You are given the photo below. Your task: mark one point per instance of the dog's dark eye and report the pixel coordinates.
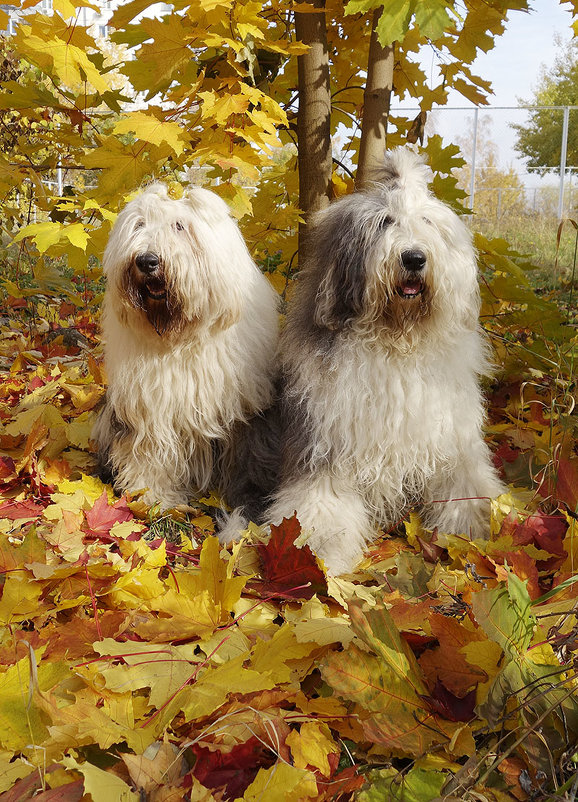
(179, 226)
(428, 221)
(140, 224)
(386, 221)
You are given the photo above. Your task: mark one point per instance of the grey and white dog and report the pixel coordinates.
(381, 356)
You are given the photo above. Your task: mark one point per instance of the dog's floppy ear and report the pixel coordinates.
(338, 253)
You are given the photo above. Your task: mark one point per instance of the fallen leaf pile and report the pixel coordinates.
(141, 660)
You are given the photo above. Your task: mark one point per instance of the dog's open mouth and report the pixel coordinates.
(410, 288)
(156, 289)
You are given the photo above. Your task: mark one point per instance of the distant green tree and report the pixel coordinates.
(540, 139)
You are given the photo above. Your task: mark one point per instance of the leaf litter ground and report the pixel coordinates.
(139, 659)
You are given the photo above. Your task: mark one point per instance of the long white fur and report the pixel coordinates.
(394, 415)
(178, 392)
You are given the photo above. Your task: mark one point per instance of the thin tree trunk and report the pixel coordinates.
(376, 100)
(314, 116)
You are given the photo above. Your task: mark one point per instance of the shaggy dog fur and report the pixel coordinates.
(381, 356)
(190, 330)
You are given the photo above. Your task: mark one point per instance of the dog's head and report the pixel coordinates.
(393, 258)
(176, 263)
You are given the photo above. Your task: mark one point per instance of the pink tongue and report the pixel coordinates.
(411, 289)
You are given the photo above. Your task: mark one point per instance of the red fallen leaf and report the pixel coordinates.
(287, 568)
(35, 384)
(449, 706)
(546, 532)
(505, 454)
(525, 568)
(24, 790)
(7, 470)
(513, 770)
(567, 483)
(102, 517)
(15, 510)
(235, 770)
(71, 792)
(75, 639)
(432, 553)
(66, 309)
(340, 785)
(418, 643)
(16, 303)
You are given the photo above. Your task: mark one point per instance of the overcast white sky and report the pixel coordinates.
(513, 67)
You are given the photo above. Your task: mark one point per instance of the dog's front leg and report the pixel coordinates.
(335, 521)
(457, 500)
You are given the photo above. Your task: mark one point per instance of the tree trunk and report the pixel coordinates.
(314, 116)
(376, 100)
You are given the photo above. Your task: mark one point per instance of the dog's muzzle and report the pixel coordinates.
(153, 282)
(412, 284)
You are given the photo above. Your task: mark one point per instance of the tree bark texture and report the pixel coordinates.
(376, 101)
(314, 115)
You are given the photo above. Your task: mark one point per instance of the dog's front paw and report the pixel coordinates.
(231, 526)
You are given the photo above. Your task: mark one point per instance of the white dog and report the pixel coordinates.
(381, 356)
(190, 330)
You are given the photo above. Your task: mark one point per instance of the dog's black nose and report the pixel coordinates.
(147, 262)
(413, 260)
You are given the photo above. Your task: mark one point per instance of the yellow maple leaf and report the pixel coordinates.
(282, 783)
(20, 721)
(123, 166)
(216, 578)
(156, 64)
(86, 491)
(283, 655)
(213, 687)
(12, 770)
(19, 599)
(101, 785)
(148, 127)
(312, 745)
(77, 235)
(219, 107)
(44, 234)
(162, 668)
(60, 57)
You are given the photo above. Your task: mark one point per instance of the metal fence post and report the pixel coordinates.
(563, 152)
(474, 145)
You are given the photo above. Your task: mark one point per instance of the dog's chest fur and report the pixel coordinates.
(363, 401)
